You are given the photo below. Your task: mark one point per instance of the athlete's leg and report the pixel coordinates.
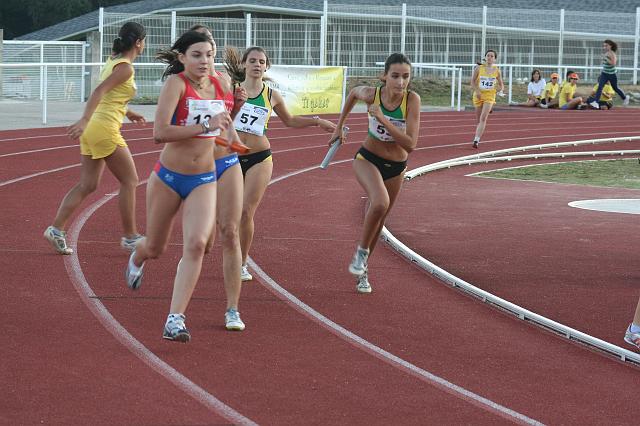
(121, 164)
(255, 184)
(229, 211)
(162, 205)
(198, 219)
(370, 179)
(90, 175)
(393, 186)
(483, 115)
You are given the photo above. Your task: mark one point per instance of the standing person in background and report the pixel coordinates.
(101, 142)
(483, 82)
(192, 110)
(606, 98)
(567, 99)
(608, 74)
(379, 165)
(549, 98)
(252, 123)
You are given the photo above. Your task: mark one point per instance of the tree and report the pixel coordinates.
(18, 17)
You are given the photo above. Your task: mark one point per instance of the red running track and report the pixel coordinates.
(83, 349)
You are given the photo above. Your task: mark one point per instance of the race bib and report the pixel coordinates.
(487, 83)
(251, 119)
(380, 132)
(204, 109)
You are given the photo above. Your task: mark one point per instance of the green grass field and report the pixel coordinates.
(623, 173)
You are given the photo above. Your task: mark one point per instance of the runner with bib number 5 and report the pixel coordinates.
(394, 122)
(252, 122)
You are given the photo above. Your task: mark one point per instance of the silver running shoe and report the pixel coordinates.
(245, 275)
(130, 243)
(175, 330)
(632, 338)
(363, 284)
(232, 320)
(594, 105)
(358, 264)
(626, 100)
(133, 274)
(58, 240)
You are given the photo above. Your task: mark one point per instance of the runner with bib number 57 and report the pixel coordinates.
(394, 122)
(252, 122)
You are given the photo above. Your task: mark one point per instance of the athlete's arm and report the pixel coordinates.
(408, 140)
(474, 81)
(500, 82)
(297, 121)
(360, 93)
(164, 131)
(121, 73)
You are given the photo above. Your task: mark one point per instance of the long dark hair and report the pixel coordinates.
(128, 35)
(170, 57)
(533, 73)
(396, 58)
(613, 44)
(233, 62)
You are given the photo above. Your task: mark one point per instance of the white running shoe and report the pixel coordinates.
(58, 240)
(130, 243)
(175, 330)
(245, 275)
(632, 338)
(544, 106)
(626, 100)
(232, 320)
(358, 264)
(594, 105)
(133, 274)
(363, 284)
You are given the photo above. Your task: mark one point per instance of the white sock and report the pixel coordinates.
(635, 328)
(476, 139)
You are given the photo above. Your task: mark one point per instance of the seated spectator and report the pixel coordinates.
(549, 98)
(534, 90)
(606, 97)
(568, 100)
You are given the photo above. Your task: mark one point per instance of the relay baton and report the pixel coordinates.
(235, 146)
(333, 149)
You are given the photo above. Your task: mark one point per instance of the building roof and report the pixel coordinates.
(77, 26)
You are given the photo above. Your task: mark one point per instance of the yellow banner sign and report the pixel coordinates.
(309, 90)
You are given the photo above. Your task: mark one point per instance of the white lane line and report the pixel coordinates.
(380, 353)
(74, 271)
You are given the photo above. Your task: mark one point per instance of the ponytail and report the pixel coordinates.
(128, 35)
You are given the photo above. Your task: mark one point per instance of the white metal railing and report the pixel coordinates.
(487, 297)
(359, 35)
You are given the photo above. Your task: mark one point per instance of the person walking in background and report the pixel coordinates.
(549, 97)
(567, 98)
(252, 123)
(483, 82)
(606, 98)
(608, 74)
(192, 110)
(101, 142)
(379, 165)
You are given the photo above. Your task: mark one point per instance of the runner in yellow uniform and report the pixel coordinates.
(101, 142)
(483, 82)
